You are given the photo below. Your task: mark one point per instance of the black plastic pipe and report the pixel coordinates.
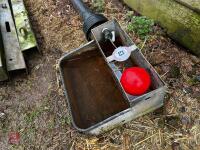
(90, 19)
(81, 8)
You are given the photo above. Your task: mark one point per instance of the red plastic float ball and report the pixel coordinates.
(136, 81)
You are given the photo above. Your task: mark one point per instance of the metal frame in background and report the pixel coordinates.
(13, 54)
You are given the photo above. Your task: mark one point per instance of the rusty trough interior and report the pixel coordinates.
(92, 91)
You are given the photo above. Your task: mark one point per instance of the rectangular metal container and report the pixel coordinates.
(96, 99)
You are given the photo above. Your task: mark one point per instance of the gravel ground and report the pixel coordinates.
(35, 106)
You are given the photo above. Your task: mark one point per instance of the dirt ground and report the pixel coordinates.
(35, 106)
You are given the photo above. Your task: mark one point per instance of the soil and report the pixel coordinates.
(34, 105)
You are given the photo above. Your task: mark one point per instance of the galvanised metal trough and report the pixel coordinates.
(96, 99)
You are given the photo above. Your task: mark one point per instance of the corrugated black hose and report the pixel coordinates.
(90, 19)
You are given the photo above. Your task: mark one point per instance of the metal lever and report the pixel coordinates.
(122, 53)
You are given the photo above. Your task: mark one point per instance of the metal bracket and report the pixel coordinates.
(3, 71)
(26, 36)
(13, 53)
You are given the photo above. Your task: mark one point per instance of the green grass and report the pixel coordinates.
(66, 120)
(140, 25)
(30, 117)
(193, 81)
(98, 5)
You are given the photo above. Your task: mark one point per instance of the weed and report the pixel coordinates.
(175, 72)
(193, 81)
(66, 120)
(28, 134)
(141, 25)
(98, 5)
(4, 127)
(31, 116)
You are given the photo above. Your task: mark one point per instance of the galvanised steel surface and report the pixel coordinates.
(13, 53)
(96, 99)
(3, 71)
(26, 36)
